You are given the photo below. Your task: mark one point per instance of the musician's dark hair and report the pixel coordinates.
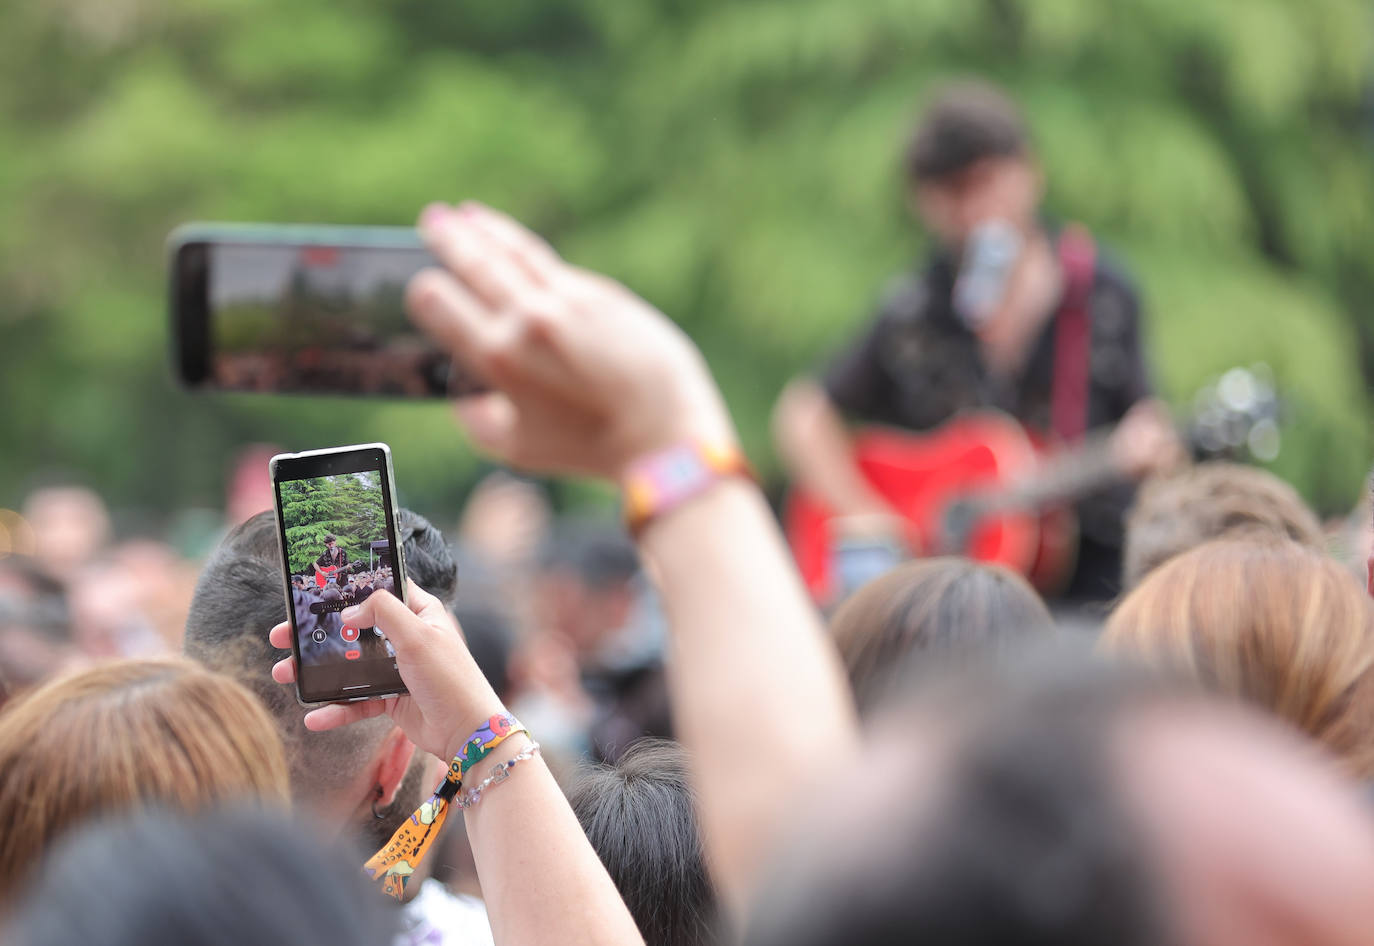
(964, 123)
(239, 596)
(936, 609)
(159, 878)
(640, 819)
(328, 537)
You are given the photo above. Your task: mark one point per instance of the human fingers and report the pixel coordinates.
(280, 636)
(490, 420)
(402, 626)
(284, 670)
(341, 714)
(529, 251)
(482, 262)
(449, 313)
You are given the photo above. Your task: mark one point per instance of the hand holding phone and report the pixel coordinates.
(447, 696)
(336, 525)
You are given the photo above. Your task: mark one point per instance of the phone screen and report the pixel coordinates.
(294, 310)
(338, 536)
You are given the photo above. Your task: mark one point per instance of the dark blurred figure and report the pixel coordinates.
(1211, 501)
(35, 625)
(1056, 803)
(220, 879)
(1009, 312)
(640, 818)
(360, 781)
(939, 610)
(591, 670)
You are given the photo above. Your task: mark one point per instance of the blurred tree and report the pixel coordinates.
(733, 161)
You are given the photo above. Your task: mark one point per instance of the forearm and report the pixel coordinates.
(541, 879)
(758, 694)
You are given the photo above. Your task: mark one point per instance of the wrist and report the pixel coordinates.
(475, 726)
(657, 483)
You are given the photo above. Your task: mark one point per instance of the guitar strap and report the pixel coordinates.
(1073, 336)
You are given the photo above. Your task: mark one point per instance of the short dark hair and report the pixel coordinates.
(1025, 838)
(640, 819)
(239, 597)
(329, 538)
(158, 878)
(965, 123)
(599, 554)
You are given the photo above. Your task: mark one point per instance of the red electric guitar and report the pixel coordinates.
(982, 486)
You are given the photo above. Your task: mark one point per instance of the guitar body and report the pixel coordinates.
(327, 572)
(926, 478)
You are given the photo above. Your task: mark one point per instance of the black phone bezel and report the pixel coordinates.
(331, 463)
(189, 299)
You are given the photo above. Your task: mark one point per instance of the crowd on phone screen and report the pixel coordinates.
(1198, 772)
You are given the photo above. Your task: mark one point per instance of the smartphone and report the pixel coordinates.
(302, 309)
(336, 522)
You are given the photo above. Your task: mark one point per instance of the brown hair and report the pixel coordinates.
(123, 735)
(965, 123)
(944, 607)
(1210, 501)
(1267, 621)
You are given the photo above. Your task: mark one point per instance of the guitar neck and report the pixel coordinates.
(1064, 477)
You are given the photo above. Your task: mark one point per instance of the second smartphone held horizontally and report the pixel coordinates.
(336, 522)
(303, 309)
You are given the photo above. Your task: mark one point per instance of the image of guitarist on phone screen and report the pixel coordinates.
(330, 562)
(1009, 314)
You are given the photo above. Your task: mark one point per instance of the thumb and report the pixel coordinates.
(383, 609)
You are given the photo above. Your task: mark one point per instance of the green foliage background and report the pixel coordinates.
(735, 162)
(348, 506)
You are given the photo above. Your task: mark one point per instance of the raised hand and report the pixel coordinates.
(587, 377)
(448, 695)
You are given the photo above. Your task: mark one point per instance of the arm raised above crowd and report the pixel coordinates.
(588, 378)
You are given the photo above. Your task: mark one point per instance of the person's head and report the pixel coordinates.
(969, 161)
(221, 878)
(1266, 621)
(939, 609)
(70, 526)
(1066, 803)
(329, 541)
(35, 625)
(584, 583)
(640, 819)
(345, 773)
(122, 735)
(1212, 500)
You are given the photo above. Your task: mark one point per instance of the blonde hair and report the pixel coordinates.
(1267, 621)
(122, 735)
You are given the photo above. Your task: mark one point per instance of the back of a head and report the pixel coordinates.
(1060, 802)
(1211, 501)
(239, 598)
(640, 819)
(128, 735)
(222, 878)
(983, 811)
(940, 609)
(964, 123)
(1266, 621)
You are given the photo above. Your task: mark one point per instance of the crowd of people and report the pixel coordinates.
(653, 734)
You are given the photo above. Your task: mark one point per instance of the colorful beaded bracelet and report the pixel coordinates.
(499, 773)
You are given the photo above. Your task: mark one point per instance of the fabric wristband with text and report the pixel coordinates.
(397, 861)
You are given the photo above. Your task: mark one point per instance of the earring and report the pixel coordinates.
(377, 796)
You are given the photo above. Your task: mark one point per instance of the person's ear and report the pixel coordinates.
(389, 767)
